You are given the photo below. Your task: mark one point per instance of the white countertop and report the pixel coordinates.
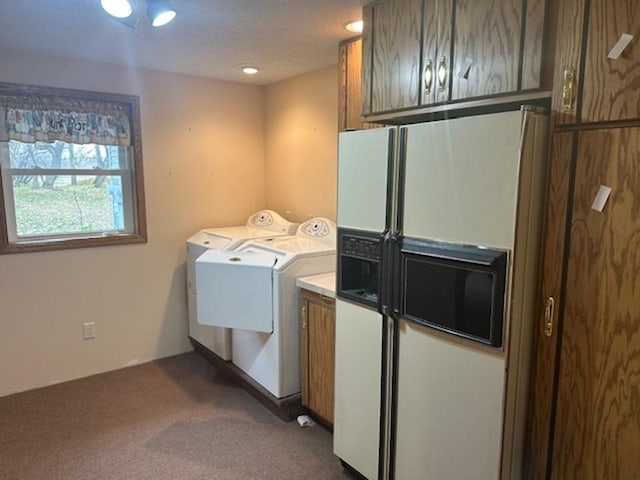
(324, 284)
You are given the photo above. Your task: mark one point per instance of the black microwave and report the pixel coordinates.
(458, 289)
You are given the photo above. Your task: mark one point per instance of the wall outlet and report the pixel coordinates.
(89, 330)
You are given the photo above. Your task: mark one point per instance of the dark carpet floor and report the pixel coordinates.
(170, 419)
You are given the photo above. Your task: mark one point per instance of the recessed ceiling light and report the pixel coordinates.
(250, 70)
(117, 8)
(354, 26)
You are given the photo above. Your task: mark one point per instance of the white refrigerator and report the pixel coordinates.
(438, 243)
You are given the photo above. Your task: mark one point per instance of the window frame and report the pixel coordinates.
(137, 198)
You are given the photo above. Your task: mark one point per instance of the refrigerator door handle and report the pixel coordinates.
(394, 277)
(383, 300)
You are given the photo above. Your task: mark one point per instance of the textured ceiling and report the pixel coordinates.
(209, 38)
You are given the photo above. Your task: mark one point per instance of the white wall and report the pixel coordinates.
(301, 149)
(203, 153)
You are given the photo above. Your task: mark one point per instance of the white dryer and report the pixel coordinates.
(253, 290)
(263, 224)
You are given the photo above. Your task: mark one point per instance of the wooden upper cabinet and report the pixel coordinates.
(408, 46)
(394, 63)
(487, 47)
(349, 56)
(534, 66)
(436, 48)
(567, 71)
(610, 87)
(349, 89)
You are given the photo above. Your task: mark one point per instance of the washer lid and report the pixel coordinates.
(235, 289)
(287, 246)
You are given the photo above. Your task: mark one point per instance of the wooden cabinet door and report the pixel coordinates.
(304, 349)
(349, 87)
(392, 39)
(436, 48)
(546, 328)
(533, 73)
(349, 65)
(567, 72)
(612, 86)
(487, 37)
(597, 421)
(318, 354)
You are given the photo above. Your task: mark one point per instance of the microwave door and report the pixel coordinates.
(453, 288)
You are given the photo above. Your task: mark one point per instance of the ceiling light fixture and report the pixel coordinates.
(117, 8)
(250, 70)
(354, 26)
(159, 12)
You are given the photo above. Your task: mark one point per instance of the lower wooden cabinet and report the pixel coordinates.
(318, 330)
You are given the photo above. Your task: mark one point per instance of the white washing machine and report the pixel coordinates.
(253, 290)
(263, 224)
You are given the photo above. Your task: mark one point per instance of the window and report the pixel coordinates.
(70, 168)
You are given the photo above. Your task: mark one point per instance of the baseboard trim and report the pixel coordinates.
(287, 408)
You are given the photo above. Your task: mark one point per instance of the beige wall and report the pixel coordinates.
(203, 149)
(301, 125)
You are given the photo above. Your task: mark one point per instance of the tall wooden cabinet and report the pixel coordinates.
(588, 417)
(418, 53)
(597, 421)
(585, 400)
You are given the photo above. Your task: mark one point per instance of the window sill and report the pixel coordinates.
(69, 243)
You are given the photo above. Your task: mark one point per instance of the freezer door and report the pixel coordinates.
(364, 158)
(235, 289)
(461, 179)
(358, 372)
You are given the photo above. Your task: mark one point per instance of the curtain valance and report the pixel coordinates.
(40, 119)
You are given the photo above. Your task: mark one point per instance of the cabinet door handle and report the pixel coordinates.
(442, 73)
(548, 316)
(567, 89)
(428, 76)
(303, 314)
